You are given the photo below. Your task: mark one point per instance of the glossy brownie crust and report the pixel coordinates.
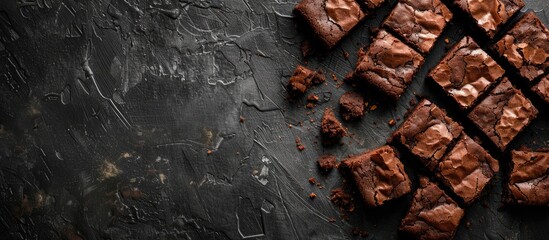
(419, 22)
(503, 114)
(427, 133)
(432, 215)
(490, 15)
(529, 179)
(542, 88)
(330, 20)
(467, 169)
(526, 46)
(388, 65)
(379, 175)
(466, 72)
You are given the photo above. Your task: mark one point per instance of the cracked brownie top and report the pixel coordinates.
(529, 182)
(388, 65)
(503, 114)
(490, 15)
(466, 72)
(419, 22)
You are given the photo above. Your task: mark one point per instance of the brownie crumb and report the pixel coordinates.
(319, 77)
(373, 107)
(342, 200)
(392, 122)
(312, 195)
(327, 162)
(346, 55)
(298, 144)
(331, 126)
(209, 152)
(242, 119)
(351, 105)
(312, 180)
(359, 232)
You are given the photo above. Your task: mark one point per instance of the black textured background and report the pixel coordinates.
(108, 109)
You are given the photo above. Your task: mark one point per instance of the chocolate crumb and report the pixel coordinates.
(327, 162)
(392, 122)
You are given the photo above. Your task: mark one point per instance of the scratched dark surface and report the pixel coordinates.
(108, 109)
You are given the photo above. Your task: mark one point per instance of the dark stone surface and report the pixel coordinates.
(122, 120)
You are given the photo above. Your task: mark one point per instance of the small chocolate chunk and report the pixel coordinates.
(327, 162)
(351, 105)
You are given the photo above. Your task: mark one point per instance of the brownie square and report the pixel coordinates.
(379, 175)
(526, 46)
(542, 88)
(503, 114)
(388, 65)
(330, 20)
(432, 215)
(490, 15)
(466, 72)
(529, 179)
(427, 133)
(419, 23)
(467, 169)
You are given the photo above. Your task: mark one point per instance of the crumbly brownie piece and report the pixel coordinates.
(420, 23)
(503, 114)
(330, 20)
(526, 46)
(351, 105)
(466, 72)
(327, 162)
(331, 126)
(302, 79)
(388, 65)
(490, 15)
(542, 88)
(427, 133)
(432, 215)
(379, 175)
(467, 169)
(529, 179)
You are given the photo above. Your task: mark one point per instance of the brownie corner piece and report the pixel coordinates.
(526, 46)
(466, 72)
(330, 20)
(331, 127)
(379, 175)
(542, 88)
(503, 114)
(388, 65)
(427, 132)
(467, 169)
(419, 23)
(529, 180)
(432, 214)
(490, 15)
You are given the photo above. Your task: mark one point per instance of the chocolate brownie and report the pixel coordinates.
(379, 175)
(529, 179)
(432, 215)
(526, 46)
(302, 79)
(330, 20)
(351, 105)
(490, 15)
(388, 65)
(327, 162)
(466, 72)
(419, 23)
(503, 114)
(427, 133)
(467, 169)
(542, 88)
(331, 127)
